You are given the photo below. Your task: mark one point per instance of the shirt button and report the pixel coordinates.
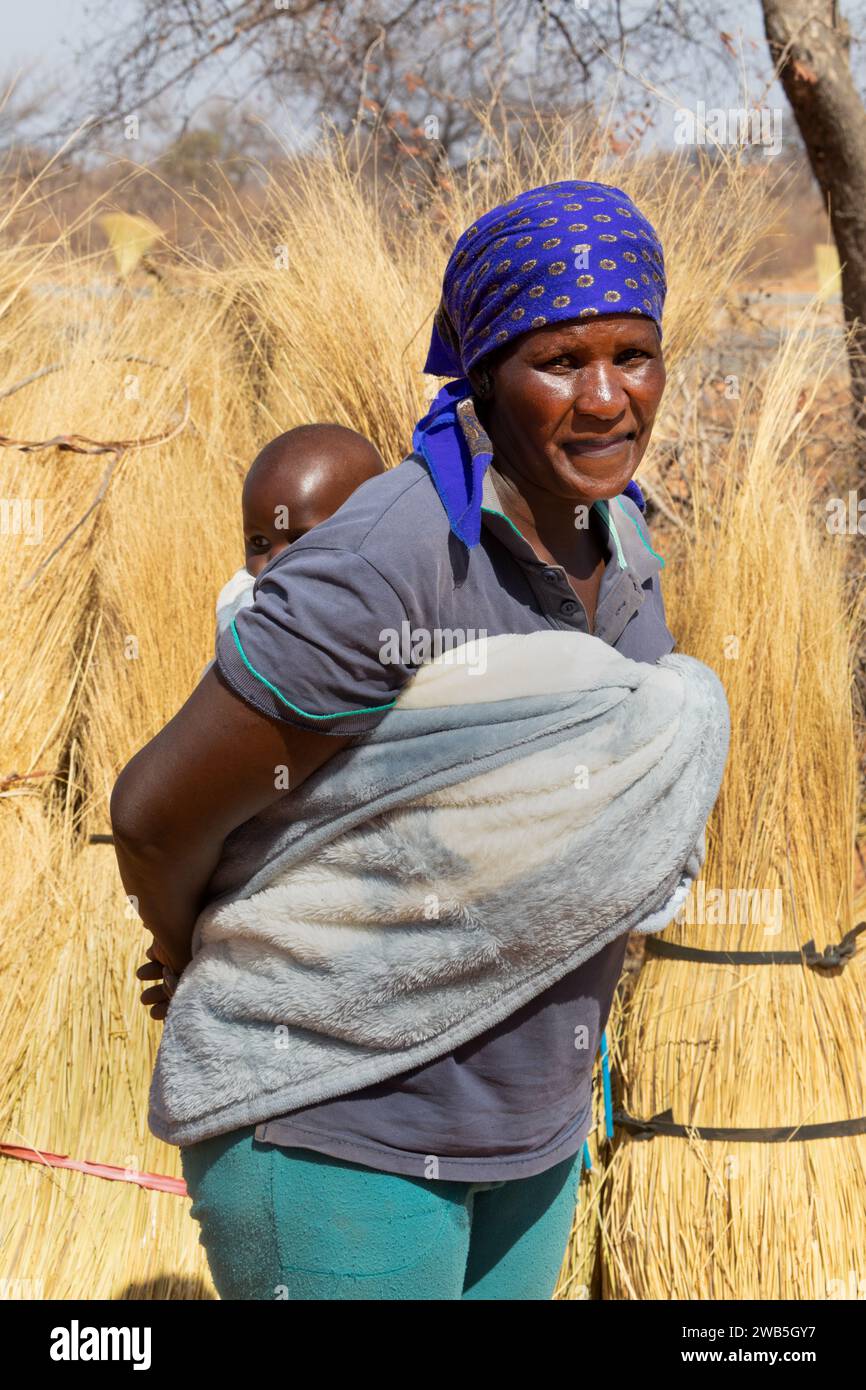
(552, 576)
(568, 606)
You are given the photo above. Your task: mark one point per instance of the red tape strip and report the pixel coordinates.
(157, 1182)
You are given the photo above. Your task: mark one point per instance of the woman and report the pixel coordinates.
(550, 326)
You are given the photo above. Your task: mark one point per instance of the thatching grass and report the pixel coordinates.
(77, 1062)
(104, 646)
(759, 592)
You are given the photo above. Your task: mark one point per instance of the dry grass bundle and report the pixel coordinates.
(759, 593)
(42, 496)
(76, 1084)
(169, 537)
(90, 664)
(26, 848)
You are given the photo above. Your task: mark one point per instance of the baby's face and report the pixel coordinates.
(277, 513)
(263, 539)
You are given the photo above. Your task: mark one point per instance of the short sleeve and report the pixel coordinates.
(320, 647)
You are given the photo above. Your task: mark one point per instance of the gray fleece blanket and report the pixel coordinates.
(528, 799)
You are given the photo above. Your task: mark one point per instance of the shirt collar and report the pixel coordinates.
(627, 546)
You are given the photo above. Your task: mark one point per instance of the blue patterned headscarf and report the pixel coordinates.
(562, 251)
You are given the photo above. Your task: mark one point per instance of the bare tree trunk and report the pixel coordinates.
(809, 44)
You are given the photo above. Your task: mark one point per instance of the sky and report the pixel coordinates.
(42, 27)
(49, 39)
(43, 32)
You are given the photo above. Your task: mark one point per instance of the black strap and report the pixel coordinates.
(837, 955)
(663, 1123)
(100, 840)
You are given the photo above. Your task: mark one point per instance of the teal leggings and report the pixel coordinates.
(280, 1223)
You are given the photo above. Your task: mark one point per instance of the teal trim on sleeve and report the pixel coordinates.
(641, 534)
(370, 709)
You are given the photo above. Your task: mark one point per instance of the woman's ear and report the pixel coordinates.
(481, 381)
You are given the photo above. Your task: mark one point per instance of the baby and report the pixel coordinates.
(298, 480)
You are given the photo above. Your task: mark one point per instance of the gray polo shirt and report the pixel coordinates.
(516, 1099)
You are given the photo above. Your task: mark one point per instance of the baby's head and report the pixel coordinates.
(299, 480)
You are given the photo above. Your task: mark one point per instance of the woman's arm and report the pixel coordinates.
(214, 765)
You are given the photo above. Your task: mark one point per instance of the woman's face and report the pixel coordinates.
(573, 403)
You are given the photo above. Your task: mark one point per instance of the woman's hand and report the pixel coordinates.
(157, 997)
